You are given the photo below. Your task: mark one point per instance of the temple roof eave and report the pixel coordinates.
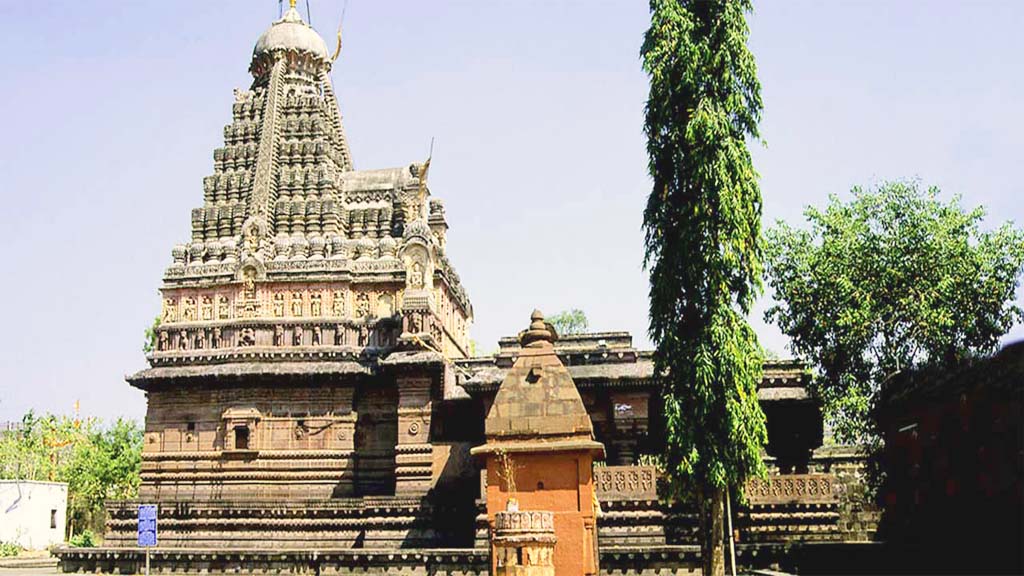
(144, 379)
(782, 381)
(539, 445)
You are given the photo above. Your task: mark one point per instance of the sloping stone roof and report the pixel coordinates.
(537, 398)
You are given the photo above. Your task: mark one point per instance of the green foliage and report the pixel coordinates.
(703, 238)
(39, 449)
(151, 336)
(105, 467)
(9, 549)
(569, 322)
(890, 280)
(97, 462)
(86, 539)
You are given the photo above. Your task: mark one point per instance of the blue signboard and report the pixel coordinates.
(147, 525)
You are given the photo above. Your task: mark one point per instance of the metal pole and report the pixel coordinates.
(147, 561)
(728, 517)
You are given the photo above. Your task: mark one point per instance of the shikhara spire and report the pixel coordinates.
(284, 204)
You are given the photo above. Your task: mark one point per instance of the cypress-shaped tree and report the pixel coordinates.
(703, 250)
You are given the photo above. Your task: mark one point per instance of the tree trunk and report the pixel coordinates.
(715, 539)
(702, 531)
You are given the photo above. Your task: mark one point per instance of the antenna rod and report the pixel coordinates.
(309, 15)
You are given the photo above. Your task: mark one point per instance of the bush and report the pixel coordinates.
(8, 549)
(86, 539)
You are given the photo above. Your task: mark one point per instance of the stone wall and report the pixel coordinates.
(327, 562)
(831, 503)
(647, 561)
(359, 523)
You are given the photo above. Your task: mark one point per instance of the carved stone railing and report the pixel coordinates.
(626, 483)
(523, 543)
(641, 483)
(524, 522)
(792, 489)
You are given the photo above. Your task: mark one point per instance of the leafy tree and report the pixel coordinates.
(97, 463)
(572, 321)
(107, 466)
(703, 249)
(890, 280)
(39, 448)
(149, 344)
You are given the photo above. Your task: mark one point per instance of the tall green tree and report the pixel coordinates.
(890, 280)
(703, 249)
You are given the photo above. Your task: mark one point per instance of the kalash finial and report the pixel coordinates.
(539, 334)
(291, 3)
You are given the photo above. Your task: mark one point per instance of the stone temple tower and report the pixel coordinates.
(307, 324)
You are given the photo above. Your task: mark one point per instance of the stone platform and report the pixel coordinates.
(352, 523)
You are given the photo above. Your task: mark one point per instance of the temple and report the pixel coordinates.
(312, 388)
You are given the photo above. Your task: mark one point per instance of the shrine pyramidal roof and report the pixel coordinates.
(292, 246)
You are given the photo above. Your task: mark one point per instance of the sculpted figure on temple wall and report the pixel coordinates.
(317, 335)
(416, 275)
(189, 309)
(216, 340)
(247, 337)
(338, 303)
(362, 305)
(223, 308)
(385, 306)
(340, 338)
(162, 340)
(278, 335)
(249, 282)
(278, 305)
(297, 336)
(170, 307)
(297, 304)
(207, 308)
(315, 309)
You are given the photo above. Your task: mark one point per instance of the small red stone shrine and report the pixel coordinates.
(539, 452)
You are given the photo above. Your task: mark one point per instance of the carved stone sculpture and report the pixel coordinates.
(338, 303)
(362, 305)
(223, 308)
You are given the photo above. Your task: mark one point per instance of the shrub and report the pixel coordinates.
(8, 549)
(86, 539)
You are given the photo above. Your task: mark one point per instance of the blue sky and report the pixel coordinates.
(113, 109)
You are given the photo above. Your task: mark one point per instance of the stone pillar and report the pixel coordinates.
(344, 438)
(523, 543)
(414, 454)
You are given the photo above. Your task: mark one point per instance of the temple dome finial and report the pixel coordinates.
(291, 33)
(539, 334)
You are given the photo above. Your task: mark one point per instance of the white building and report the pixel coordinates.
(33, 514)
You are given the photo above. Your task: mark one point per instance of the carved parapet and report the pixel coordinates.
(792, 489)
(523, 543)
(626, 483)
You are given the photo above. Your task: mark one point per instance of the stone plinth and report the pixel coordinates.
(523, 543)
